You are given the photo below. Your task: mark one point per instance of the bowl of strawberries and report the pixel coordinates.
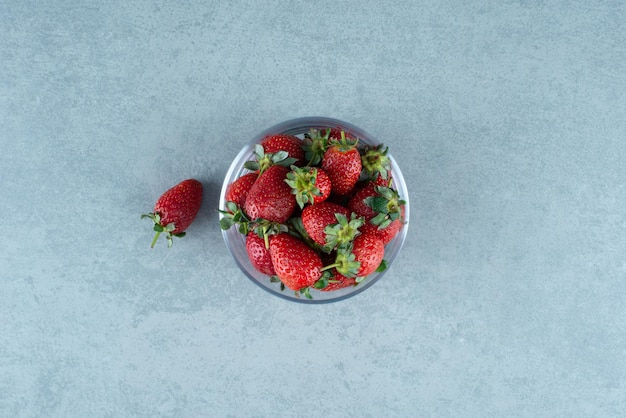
(314, 210)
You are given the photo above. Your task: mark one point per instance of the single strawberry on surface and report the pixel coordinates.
(342, 163)
(175, 210)
(296, 264)
(270, 197)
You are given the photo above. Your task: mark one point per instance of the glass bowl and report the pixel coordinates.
(235, 241)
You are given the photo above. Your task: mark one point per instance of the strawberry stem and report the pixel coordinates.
(330, 266)
(266, 238)
(156, 237)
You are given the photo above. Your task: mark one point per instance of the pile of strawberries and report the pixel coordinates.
(317, 212)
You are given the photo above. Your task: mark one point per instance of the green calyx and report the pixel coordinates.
(344, 143)
(315, 145)
(345, 263)
(387, 204)
(341, 234)
(376, 162)
(321, 283)
(263, 161)
(264, 228)
(160, 229)
(302, 182)
(234, 215)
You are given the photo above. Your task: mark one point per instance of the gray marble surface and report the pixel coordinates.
(508, 119)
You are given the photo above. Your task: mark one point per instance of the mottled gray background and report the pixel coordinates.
(507, 117)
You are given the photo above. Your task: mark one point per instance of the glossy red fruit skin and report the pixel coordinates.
(318, 216)
(180, 205)
(343, 168)
(339, 281)
(296, 264)
(357, 205)
(380, 181)
(281, 142)
(259, 256)
(270, 197)
(369, 250)
(322, 182)
(238, 190)
(386, 234)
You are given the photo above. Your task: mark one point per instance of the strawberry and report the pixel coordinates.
(378, 204)
(368, 250)
(315, 145)
(338, 281)
(375, 162)
(336, 132)
(309, 184)
(386, 234)
(238, 190)
(175, 210)
(297, 265)
(342, 163)
(380, 181)
(357, 201)
(259, 255)
(327, 224)
(270, 197)
(288, 143)
(264, 159)
(361, 258)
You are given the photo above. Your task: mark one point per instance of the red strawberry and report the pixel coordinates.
(336, 133)
(378, 204)
(376, 162)
(175, 210)
(316, 218)
(270, 197)
(338, 281)
(342, 163)
(238, 190)
(380, 181)
(357, 202)
(369, 251)
(259, 256)
(289, 143)
(297, 265)
(309, 184)
(362, 258)
(386, 234)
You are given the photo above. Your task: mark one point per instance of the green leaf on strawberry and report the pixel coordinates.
(375, 162)
(315, 145)
(310, 185)
(387, 204)
(234, 215)
(382, 267)
(263, 161)
(341, 234)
